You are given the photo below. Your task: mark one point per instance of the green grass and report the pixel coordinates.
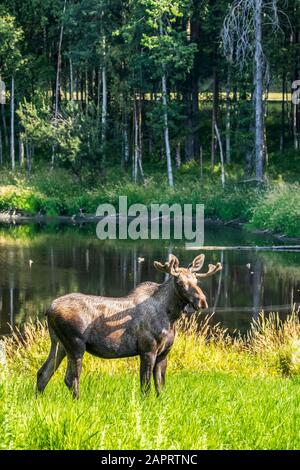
(197, 411)
(279, 210)
(221, 393)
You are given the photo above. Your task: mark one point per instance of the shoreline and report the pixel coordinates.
(90, 219)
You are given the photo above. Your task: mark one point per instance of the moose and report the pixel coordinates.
(139, 324)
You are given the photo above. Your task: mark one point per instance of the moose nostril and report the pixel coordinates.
(204, 303)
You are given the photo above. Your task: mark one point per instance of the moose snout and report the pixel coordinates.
(200, 302)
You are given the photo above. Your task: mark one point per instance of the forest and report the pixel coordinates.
(192, 96)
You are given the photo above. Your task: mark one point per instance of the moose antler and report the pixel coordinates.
(170, 267)
(212, 269)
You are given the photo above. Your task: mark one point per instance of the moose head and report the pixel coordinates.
(186, 279)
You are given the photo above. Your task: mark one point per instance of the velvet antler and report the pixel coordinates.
(212, 269)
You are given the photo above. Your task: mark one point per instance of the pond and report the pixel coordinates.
(68, 259)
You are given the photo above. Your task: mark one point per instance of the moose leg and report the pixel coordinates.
(72, 376)
(159, 373)
(56, 355)
(146, 370)
(68, 375)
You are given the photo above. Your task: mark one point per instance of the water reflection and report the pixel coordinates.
(66, 260)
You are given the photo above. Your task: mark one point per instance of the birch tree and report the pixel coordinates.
(12, 124)
(58, 74)
(104, 100)
(243, 41)
(170, 52)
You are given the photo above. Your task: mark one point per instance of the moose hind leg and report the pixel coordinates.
(56, 355)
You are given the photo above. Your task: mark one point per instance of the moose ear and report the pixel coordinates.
(197, 263)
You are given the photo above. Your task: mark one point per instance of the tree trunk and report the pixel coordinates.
(77, 86)
(265, 116)
(166, 120)
(86, 82)
(189, 141)
(215, 109)
(57, 83)
(137, 154)
(166, 131)
(295, 128)
(295, 75)
(282, 127)
(99, 84)
(12, 125)
(58, 68)
(125, 139)
(104, 107)
(228, 119)
(191, 86)
(201, 163)
(28, 158)
(178, 155)
(221, 155)
(136, 142)
(1, 148)
(21, 152)
(140, 129)
(71, 80)
(4, 124)
(259, 121)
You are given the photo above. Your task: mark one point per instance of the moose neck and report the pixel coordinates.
(172, 302)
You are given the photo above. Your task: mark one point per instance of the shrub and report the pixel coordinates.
(278, 210)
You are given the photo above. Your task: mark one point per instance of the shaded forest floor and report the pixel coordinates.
(221, 393)
(274, 207)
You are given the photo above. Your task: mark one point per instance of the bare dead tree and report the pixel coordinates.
(57, 83)
(242, 36)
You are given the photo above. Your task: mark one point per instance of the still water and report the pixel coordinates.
(39, 263)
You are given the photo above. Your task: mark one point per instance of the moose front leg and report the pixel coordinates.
(72, 377)
(159, 372)
(146, 369)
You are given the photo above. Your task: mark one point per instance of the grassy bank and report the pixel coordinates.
(275, 207)
(221, 394)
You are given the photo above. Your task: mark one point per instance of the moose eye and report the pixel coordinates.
(183, 285)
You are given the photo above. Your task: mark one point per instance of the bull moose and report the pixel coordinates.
(139, 324)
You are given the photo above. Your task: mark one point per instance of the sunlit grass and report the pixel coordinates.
(221, 393)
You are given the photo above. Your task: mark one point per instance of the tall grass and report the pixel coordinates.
(222, 392)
